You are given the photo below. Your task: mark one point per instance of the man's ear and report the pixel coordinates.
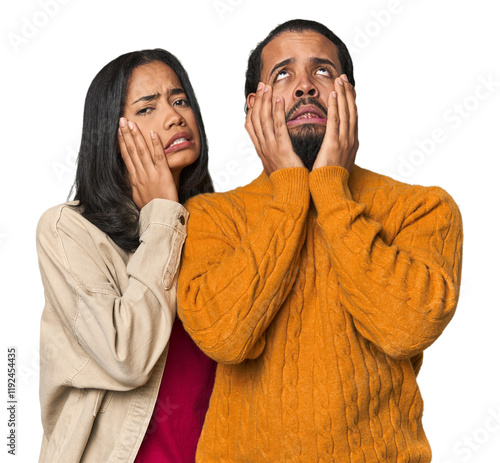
(250, 100)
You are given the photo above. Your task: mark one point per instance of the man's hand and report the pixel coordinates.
(266, 125)
(341, 137)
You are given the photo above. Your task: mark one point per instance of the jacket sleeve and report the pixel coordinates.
(123, 330)
(231, 286)
(401, 296)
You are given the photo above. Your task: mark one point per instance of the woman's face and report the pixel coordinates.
(156, 101)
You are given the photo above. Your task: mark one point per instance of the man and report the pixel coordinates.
(317, 286)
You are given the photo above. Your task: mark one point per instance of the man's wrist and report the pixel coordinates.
(291, 185)
(329, 183)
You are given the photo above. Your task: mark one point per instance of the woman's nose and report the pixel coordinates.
(172, 118)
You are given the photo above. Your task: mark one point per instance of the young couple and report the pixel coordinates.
(316, 287)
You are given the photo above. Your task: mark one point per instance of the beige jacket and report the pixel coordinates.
(104, 331)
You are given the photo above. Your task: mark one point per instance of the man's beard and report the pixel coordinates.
(306, 141)
(306, 138)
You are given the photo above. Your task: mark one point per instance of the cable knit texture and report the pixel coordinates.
(317, 293)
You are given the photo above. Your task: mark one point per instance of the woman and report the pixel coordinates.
(109, 263)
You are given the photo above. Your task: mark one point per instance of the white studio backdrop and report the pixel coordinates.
(428, 85)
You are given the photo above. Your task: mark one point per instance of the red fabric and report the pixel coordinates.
(182, 402)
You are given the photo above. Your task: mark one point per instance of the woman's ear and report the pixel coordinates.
(250, 100)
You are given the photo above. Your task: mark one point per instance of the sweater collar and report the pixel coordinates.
(262, 182)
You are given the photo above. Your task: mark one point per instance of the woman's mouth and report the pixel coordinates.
(179, 141)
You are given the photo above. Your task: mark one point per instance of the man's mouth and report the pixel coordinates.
(307, 114)
(178, 142)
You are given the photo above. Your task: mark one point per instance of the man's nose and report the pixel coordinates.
(305, 87)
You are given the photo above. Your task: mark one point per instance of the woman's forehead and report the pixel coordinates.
(152, 78)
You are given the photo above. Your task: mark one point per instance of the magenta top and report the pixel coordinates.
(182, 403)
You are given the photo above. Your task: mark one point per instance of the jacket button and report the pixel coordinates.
(181, 219)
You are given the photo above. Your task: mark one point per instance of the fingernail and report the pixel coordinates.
(122, 121)
(130, 125)
(334, 94)
(153, 135)
(261, 85)
(119, 132)
(278, 99)
(345, 78)
(341, 82)
(266, 88)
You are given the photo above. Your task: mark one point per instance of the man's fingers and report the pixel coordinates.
(343, 109)
(332, 126)
(255, 116)
(353, 112)
(263, 125)
(266, 119)
(280, 127)
(251, 131)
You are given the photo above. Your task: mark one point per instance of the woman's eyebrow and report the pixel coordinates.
(176, 91)
(172, 91)
(147, 98)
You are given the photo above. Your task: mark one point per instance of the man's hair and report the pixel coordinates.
(102, 188)
(254, 68)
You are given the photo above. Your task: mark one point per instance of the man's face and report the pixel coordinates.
(302, 67)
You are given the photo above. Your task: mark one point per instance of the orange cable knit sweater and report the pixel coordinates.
(317, 293)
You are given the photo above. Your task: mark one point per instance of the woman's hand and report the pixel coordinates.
(149, 173)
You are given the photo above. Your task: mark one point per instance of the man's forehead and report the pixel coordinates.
(298, 45)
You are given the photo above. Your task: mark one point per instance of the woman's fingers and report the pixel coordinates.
(127, 140)
(159, 158)
(135, 151)
(141, 147)
(124, 152)
(149, 171)
(163, 175)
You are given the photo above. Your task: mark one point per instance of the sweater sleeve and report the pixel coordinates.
(401, 296)
(231, 286)
(123, 330)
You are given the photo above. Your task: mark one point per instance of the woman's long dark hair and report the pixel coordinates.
(101, 187)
